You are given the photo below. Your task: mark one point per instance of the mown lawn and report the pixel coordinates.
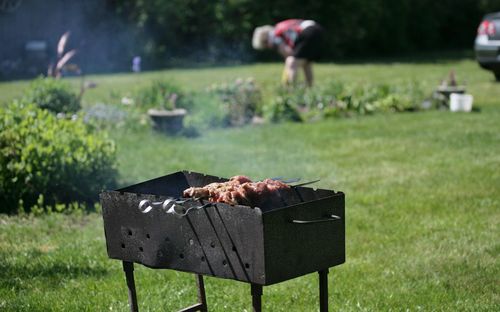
(422, 204)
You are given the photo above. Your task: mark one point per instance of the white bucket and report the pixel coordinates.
(461, 102)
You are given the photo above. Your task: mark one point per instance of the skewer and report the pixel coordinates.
(291, 180)
(305, 183)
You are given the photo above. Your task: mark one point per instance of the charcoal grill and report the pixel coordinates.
(299, 232)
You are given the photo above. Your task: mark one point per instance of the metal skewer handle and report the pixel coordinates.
(328, 218)
(170, 206)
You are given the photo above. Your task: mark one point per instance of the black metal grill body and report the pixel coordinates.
(285, 238)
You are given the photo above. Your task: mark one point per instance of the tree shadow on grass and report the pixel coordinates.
(21, 276)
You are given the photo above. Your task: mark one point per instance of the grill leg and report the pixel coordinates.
(323, 290)
(202, 298)
(256, 297)
(128, 267)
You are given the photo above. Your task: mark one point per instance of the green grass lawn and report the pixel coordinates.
(422, 204)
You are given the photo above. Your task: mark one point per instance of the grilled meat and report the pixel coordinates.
(239, 190)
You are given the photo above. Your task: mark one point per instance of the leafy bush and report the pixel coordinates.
(58, 158)
(104, 114)
(206, 112)
(367, 99)
(401, 98)
(112, 116)
(52, 94)
(161, 94)
(240, 99)
(337, 99)
(284, 106)
(222, 105)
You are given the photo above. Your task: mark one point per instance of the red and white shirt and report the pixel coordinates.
(288, 31)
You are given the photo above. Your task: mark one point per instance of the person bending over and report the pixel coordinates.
(298, 41)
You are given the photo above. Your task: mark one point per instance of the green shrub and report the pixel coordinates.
(223, 105)
(368, 98)
(161, 94)
(58, 158)
(108, 116)
(206, 112)
(284, 106)
(340, 100)
(240, 99)
(53, 95)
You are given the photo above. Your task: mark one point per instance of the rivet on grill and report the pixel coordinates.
(234, 248)
(224, 262)
(123, 245)
(212, 244)
(148, 236)
(129, 232)
(181, 256)
(141, 249)
(247, 265)
(202, 259)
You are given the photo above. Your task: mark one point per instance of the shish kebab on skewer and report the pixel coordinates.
(239, 190)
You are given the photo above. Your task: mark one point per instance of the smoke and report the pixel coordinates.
(215, 52)
(103, 41)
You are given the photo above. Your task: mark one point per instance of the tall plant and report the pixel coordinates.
(55, 69)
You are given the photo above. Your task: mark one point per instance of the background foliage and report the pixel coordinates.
(214, 31)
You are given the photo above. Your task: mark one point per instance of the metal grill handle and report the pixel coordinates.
(327, 219)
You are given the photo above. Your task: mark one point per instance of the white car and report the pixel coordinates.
(487, 44)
